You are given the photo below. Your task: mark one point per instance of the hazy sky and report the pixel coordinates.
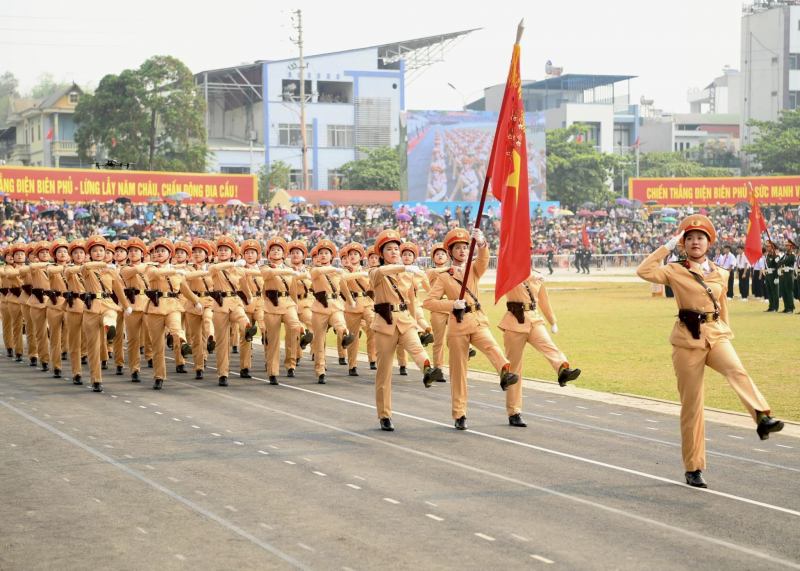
(671, 46)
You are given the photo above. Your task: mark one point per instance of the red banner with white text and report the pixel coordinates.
(714, 191)
(85, 185)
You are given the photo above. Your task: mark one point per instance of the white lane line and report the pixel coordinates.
(13, 445)
(60, 421)
(323, 474)
(304, 546)
(434, 517)
(215, 434)
(180, 557)
(542, 559)
(238, 443)
(785, 446)
(484, 536)
(112, 396)
(65, 479)
(171, 479)
(98, 501)
(128, 456)
(176, 419)
(265, 526)
(612, 414)
(651, 420)
(273, 447)
(149, 467)
(45, 415)
(141, 530)
(231, 508)
(159, 412)
(519, 537)
(307, 459)
(200, 493)
(152, 404)
(229, 431)
(495, 390)
(360, 478)
(92, 437)
(651, 428)
(736, 437)
(353, 486)
(264, 452)
(391, 501)
(142, 406)
(581, 407)
(107, 446)
(127, 402)
(759, 450)
(592, 416)
(432, 504)
(289, 462)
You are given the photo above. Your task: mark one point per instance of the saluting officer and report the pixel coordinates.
(24, 270)
(702, 336)
(468, 324)
(37, 307)
(14, 300)
(56, 316)
(200, 320)
(523, 324)
(303, 295)
(8, 259)
(118, 347)
(359, 315)
(251, 254)
(394, 323)
(76, 340)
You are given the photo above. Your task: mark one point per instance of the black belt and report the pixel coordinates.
(302, 295)
(222, 293)
(202, 293)
(156, 293)
(393, 307)
(511, 305)
(361, 294)
(276, 293)
(103, 295)
(472, 307)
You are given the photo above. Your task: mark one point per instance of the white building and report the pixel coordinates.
(723, 95)
(353, 100)
(770, 61)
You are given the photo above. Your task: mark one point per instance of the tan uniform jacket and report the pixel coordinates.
(279, 279)
(11, 279)
(58, 284)
(433, 274)
(167, 281)
(199, 281)
(25, 280)
(227, 278)
(689, 294)
(39, 281)
(379, 279)
(302, 290)
(359, 286)
(75, 285)
(133, 279)
(535, 283)
(98, 278)
(320, 277)
(446, 286)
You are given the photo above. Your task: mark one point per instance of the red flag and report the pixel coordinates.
(113, 142)
(585, 237)
(49, 135)
(757, 225)
(509, 177)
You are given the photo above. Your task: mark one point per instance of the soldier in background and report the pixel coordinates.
(786, 276)
(303, 296)
(772, 277)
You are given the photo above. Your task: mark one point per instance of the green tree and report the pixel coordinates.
(576, 171)
(379, 170)
(153, 116)
(272, 176)
(662, 165)
(776, 149)
(8, 90)
(46, 85)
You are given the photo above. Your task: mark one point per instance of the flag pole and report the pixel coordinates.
(486, 181)
(753, 194)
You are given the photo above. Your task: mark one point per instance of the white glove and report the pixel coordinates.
(477, 235)
(128, 310)
(413, 269)
(673, 242)
(198, 306)
(299, 272)
(554, 328)
(459, 304)
(776, 282)
(239, 263)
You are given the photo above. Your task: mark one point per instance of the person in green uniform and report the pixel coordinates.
(786, 272)
(771, 276)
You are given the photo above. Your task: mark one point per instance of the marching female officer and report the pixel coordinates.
(179, 261)
(251, 254)
(702, 336)
(56, 319)
(523, 324)
(328, 308)
(135, 288)
(408, 254)
(14, 299)
(118, 347)
(359, 315)
(467, 323)
(394, 324)
(439, 261)
(37, 307)
(8, 258)
(303, 295)
(200, 321)
(76, 340)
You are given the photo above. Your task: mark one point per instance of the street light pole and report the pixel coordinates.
(302, 74)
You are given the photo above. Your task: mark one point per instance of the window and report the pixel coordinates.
(289, 135)
(334, 92)
(794, 61)
(340, 136)
(794, 100)
(234, 170)
(296, 178)
(73, 97)
(290, 90)
(335, 179)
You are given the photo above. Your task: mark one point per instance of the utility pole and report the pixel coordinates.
(298, 24)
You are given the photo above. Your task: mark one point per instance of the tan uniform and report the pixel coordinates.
(77, 341)
(12, 281)
(228, 279)
(401, 333)
(473, 329)
(327, 282)
(4, 314)
(166, 316)
(438, 324)
(690, 356)
(278, 280)
(419, 283)
(255, 313)
(135, 286)
(359, 317)
(56, 315)
(118, 346)
(37, 308)
(199, 324)
(100, 282)
(303, 295)
(533, 295)
(30, 335)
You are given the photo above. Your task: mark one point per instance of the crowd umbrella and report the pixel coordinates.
(669, 219)
(291, 217)
(234, 202)
(624, 202)
(296, 199)
(584, 212)
(599, 213)
(669, 211)
(325, 203)
(566, 212)
(403, 216)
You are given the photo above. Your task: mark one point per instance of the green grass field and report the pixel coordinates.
(618, 335)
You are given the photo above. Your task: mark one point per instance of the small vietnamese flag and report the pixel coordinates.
(756, 225)
(585, 237)
(113, 142)
(49, 135)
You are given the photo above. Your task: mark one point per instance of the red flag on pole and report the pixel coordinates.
(585, 237)
(509, 178)
(756, 225)
(49, 135)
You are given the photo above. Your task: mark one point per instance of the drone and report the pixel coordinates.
(113, 164)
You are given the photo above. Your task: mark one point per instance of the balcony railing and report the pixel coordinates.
(62, 148)
(21, 151)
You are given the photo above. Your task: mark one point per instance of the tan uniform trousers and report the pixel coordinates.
(514, 342)
(6, 317)
(76, 340)
(94, 325)
(199, 328)
(30, 334)
(293, 327)
(385, 346)
(57, 324)
(246, 347)
(439, 327)
(458, 346)
(118, 347)
(16, 320)
(689, 365)
(135, 331)
(293, 352)
(356, 322)
(158, 324)
(319, 325)
(224, 321)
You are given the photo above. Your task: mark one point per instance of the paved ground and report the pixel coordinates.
(298, 476)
